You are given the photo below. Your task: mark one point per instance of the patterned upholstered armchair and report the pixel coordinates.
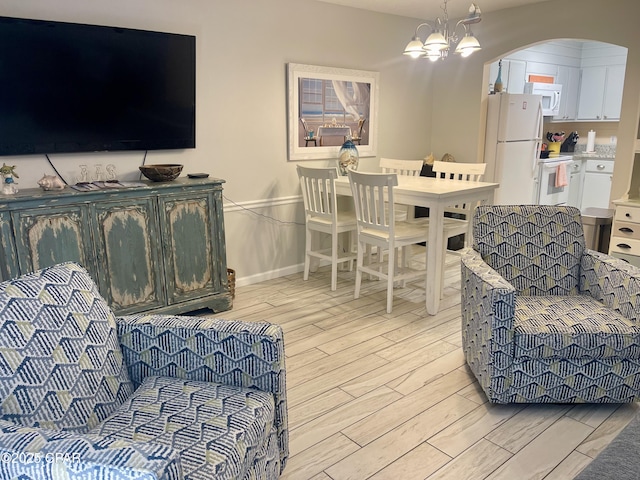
(543, 318)
(86, 395)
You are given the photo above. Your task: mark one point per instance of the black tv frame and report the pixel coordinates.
(71, 87)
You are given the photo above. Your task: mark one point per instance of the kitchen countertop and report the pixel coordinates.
(586, 156)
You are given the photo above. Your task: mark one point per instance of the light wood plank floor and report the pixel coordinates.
(380, 396)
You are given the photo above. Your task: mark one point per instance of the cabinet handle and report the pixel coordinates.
(624, 245)
(600, 167)
(626, 230)
(628, 215)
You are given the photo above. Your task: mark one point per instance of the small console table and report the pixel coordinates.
(158, 248)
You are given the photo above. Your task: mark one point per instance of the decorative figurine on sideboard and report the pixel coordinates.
(51, 182)
(8, 183)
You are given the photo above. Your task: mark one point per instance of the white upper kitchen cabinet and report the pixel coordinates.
(613, 93)
(513, 75)
(601, 93)
(592, 85)
(569, 78)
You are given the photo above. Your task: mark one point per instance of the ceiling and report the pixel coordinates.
(429, 9)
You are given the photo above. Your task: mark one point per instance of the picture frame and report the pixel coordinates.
(325, 106)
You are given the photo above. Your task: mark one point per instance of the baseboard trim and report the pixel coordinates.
(269, 275)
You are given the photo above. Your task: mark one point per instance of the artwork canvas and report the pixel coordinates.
(327, 106)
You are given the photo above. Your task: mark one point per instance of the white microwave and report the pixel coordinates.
(550, 96)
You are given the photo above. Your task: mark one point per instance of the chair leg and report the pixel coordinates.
(307, 257)
(334, 261)
(390, 277)
(359, 260)
(444, 262)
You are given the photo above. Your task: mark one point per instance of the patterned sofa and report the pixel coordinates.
(543, 318)
(86, 395)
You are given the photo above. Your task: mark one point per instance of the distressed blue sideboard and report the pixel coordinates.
(157, 248)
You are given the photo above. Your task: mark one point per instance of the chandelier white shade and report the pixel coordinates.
(442, 38)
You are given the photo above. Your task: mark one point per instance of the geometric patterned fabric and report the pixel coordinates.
(543, 318)
(235, 353)
(211, 399)
(61, 366)
(41, 454)
(218, 428)
(572, 327)
(535, 248)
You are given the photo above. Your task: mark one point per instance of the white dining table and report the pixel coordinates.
(435, 194)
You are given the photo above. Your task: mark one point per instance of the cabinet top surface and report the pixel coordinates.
(630, 202)
(182, 184)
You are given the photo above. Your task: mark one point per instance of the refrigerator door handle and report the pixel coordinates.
(540, 117)
(534, 166)
(536, 154)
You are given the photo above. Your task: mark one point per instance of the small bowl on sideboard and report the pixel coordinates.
(161, 172)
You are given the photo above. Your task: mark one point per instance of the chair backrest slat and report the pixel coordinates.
(468, 172)
(410, 168)
(461, 172)
(318, 191)
(370, 193)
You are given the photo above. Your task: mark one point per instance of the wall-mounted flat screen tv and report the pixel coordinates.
(81, 88)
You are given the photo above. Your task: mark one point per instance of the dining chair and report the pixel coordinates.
(307, 134)
(377, 226)
(411, 168)
(458, 217)
(323, 217)
(460, 172)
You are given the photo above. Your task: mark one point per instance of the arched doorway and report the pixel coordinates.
(592, 76)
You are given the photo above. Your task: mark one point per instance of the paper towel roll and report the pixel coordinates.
(591, 141)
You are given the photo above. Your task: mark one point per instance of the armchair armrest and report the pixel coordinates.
(43, 454)
(613, 282)
(488, 310)
(242, 354)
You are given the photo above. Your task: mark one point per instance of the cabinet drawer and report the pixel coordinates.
(627, 214)
(632, 259)
(629, 246)
(599, 166)
(626, 229)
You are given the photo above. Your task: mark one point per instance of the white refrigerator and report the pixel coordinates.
(512, 145)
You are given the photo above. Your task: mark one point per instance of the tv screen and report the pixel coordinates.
(80, 88)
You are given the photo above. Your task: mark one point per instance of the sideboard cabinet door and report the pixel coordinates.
(187, 247)
(46, 236)
(129, 263)
(195, 263)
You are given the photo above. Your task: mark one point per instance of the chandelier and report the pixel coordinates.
(442, 38)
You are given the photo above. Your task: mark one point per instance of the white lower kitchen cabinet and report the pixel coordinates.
(576, 179)
(596, 188)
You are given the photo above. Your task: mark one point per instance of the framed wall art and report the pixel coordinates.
(327, 106)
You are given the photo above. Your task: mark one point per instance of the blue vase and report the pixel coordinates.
(348, 157)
